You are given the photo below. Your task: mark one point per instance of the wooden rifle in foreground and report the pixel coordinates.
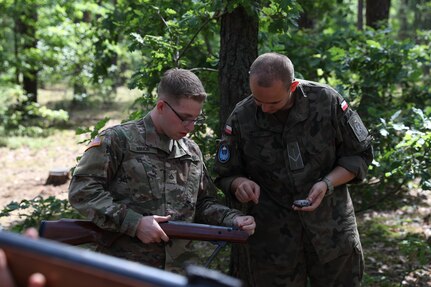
(69, 266)
(76, 232)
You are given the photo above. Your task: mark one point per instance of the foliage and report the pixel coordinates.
(404, 153)
(92, 131)
(18, 116)
(33, 211)
(393, 250)
(375, 71)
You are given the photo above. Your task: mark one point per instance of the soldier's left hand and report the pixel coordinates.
(245, 223)
(316, 195)
(6, 278)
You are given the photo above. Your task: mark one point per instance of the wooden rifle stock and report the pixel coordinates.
(76, 232)
(69, 266)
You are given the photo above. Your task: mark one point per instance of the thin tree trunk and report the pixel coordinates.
(360, 24)
(238, 49)
(27, 31)
(403, 33)
(377, 13)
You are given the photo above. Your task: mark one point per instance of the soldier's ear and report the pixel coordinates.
(293, 86)
(160, 105)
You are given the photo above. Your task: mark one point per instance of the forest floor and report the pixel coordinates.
(396, 243)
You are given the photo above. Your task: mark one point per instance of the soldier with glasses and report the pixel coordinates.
(137, 174)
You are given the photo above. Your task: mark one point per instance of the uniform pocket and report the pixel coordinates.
(264, 146)
(142, 171)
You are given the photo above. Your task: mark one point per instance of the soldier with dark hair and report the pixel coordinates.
(137, 174)
(296, 140)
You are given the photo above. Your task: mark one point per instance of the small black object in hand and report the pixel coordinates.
(302, 203)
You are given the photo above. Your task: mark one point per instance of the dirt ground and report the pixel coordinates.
(25, 171)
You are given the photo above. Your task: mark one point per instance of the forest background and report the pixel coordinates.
(71, 68)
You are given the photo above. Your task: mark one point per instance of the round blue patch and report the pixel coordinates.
(223, 154)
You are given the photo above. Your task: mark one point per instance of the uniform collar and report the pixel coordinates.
(297, 113)
(162, 142)
(300, 110)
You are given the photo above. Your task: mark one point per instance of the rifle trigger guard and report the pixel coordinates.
(220, 245)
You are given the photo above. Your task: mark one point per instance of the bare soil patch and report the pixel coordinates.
(24, 169)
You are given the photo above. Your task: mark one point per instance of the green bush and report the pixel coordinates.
(33, 211)
(21, 117)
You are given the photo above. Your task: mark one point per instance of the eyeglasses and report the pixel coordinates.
(198, 121)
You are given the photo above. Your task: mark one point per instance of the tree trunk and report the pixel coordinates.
(238, 50)
(377, 16)
(305, 21)
(377, 13)
(404, 31)
(360, 24)
(422, 15)
(27, 32)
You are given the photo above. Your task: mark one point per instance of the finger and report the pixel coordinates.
(161, 233)
(248, 227)
(37, 280)
(257, 194)
(31, 233)
(159, 218)
(5, 276)
(253, 192)
(255, 198)
(164, 237)
(242, 196)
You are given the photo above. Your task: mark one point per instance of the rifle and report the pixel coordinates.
(69, 266)
(76, 232)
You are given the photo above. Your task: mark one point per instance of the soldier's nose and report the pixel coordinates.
(265, 108)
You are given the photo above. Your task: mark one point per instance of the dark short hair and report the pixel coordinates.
(272, 66)
(180, 83)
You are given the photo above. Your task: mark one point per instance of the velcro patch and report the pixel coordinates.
(358, 127)
(295, 158)
(97, 141)
(344, 105)
(228, 129)
(223, 154)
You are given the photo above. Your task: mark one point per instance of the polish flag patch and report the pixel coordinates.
(228, 129)
(344, 105)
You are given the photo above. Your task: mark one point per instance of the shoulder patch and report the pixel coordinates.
(228, 129)
(358, 127)
(344, 105)
(223, 154)
(97, 141)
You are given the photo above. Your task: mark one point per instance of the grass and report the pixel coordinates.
(396, 251)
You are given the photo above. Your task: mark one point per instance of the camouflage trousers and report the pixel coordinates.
(307, 271)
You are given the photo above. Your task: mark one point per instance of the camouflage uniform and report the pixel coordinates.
(130, 171)
(286, 157)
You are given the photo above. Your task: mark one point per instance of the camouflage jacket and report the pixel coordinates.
(129, 171)
(286, 157)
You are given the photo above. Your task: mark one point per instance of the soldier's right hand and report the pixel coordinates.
(246, 190)
(149, 230)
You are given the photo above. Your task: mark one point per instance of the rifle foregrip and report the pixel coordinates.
(196, 231)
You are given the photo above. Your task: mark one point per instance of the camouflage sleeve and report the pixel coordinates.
(227, 164)
(208, 208)
(88, 190)
(354, 150)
